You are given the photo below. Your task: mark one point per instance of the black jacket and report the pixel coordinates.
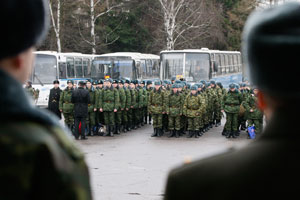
(80, 99)
(268, 167)
(53, 103)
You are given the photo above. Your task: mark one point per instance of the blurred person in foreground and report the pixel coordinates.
(38, 160)
(268, 166)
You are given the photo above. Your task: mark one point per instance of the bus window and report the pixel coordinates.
(144, 68)
(62, 70)
(86, 68)
(172, 64)
(197, 66)
(155, 69)
(70, 68)
(78, 67)
(223, 64)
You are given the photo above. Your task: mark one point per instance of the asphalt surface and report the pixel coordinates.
(134, 166)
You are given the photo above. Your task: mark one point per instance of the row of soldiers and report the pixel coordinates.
(123, 105)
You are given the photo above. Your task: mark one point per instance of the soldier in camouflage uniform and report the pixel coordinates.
(231, 105)
(193, 108)
(29, 89)
(108, 104)
(133, 106)
(92, 108)
(140, 104)
(38, 159)
(149, 89)
(173, 104)
(118, 114)
(202, 119)
(99, 115)
(217, 105)
(66, 106)
(156, 108)
(145, 103)
(255, 116)
(126, 113)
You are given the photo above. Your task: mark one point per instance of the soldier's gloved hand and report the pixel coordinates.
(115, 110)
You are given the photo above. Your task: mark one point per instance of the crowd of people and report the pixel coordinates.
(175, 106)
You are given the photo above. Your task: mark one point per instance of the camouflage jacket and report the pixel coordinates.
(232, 101)
(174, 104)
(122, 98)
(38, 159)
(65, 101)
(194, 106)
(156, 102)
(93, 99)
(109, 99)
(251, 103)
(128, 98)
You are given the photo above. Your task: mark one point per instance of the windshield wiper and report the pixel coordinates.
(42, 84)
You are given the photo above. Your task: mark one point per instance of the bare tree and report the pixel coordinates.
(56, 23)
(97, 8)
(183, 16)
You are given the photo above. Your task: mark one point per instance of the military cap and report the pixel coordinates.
(220, 84)
(115, 81)
(108, 80)
(194, 87)
(142, 82)
(271, 43)
(121, 82)
(55, 82)
(132, 81)
(173, 78)
(100, 81)
(95, 82)
(157, 83)
(149, 82)
(88, 80)
(137, 82)
(232, 85)
(213, 82)
(178, 81)
(70, 81)
(188, 85)
(167, 82)
(127, 81)
(81, 82)
(26, 24)
(200, 85)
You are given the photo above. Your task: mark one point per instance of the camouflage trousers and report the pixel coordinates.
(193, 123)
(69, 118)
(157, 120)
(121, 117)
(174, 123)
(109, 118)
(91, 119)
(231, 122)
(258, 123)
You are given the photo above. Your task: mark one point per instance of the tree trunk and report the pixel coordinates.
(93, 36)
(56, 26)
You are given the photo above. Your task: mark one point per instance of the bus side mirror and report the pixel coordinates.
(215, 66)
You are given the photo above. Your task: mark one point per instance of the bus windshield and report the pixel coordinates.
(116, 69)
(197, 67)
(172, 64)
(45, 69)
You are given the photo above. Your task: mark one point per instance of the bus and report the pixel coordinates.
(195, 65)
(50, 66)
(126, 65)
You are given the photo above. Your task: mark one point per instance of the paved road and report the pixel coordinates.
(134, 166)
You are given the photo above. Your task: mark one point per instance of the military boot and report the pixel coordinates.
(112, 131)
(107, 127)
(155, 133)
(150, 119)
(191, 134)
(177, 133)
(172, 134)
(230, 134)
(196, 133)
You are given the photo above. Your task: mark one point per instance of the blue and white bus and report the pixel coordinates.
(202, 64)
(50, 66)
(126, 65)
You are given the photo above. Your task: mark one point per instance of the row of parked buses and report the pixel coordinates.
(192, 65)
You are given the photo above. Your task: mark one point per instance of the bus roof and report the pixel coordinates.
(54, 53)
(132, 55)
(203, 50)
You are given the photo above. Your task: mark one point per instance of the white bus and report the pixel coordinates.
(50, 66)
(125, 65)
(202, 64)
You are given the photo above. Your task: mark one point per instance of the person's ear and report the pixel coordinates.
(261, 101)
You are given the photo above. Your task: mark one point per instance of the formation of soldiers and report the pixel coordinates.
(175, 106)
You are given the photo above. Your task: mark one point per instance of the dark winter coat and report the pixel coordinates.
(53, 103)
(81, 99)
